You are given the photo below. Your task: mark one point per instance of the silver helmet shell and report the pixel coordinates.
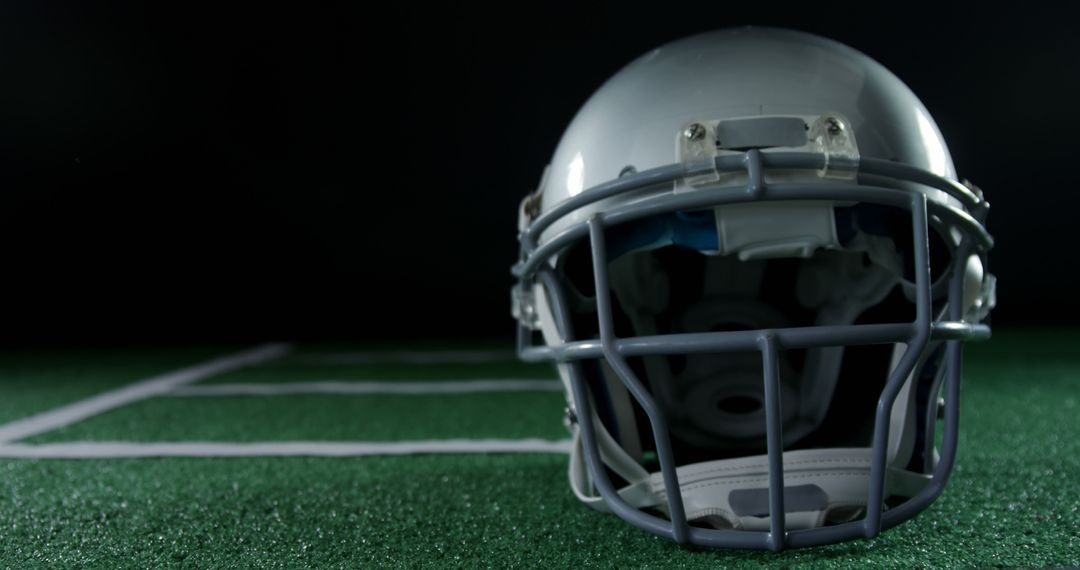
(743, 72)
(744, 151)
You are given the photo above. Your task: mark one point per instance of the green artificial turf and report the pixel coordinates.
(494, 415)
(1013, 500)
(36, 380)
(295, 370)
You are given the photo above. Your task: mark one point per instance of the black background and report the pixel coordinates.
(180, 173)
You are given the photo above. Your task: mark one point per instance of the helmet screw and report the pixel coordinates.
(571, 415)
(834, 126)
(694, 132)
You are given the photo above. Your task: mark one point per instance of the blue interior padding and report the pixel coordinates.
(697, 229)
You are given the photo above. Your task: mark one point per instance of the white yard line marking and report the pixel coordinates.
(157, 385)
(335, 387)
(118, 449)
(408, 357)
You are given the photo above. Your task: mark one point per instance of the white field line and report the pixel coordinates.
(408, 357)
(154, 386)
(119, 449)
(361, 388)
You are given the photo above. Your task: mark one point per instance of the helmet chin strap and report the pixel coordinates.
(821, 486)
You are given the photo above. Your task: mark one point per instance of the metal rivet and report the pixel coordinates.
(834, 126)
(694, 132)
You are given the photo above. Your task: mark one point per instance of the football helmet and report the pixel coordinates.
(754, 266)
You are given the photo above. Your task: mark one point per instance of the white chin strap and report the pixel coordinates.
(820, 485)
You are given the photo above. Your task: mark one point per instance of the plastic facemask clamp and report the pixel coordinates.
(696, 150)
(832, 135)
(523, 306)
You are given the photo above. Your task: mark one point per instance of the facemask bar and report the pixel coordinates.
(769, 342)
